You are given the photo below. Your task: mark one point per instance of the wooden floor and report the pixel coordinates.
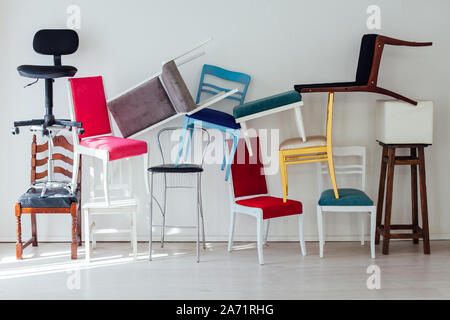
(48, 273)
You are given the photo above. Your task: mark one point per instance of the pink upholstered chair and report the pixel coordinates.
(249, 195)
(89, 107)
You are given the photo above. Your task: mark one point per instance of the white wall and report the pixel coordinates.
(280, 43)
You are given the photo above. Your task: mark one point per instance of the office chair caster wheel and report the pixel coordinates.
(15, 131)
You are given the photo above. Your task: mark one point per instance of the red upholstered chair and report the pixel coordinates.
(249, 195)
(89, 107)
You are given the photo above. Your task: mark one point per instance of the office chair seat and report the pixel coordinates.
(46, 72)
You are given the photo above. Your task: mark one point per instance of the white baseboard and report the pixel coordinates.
(215, 238)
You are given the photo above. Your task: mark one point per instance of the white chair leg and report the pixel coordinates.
(231, 232)
(300, 232)
(259, 232)
(87, 235)
(320, 230)
(247, 138)
(373, 224)
(92, 233)
(266, 231)
(76, 164)
(106, 181)
(363, 228)
(300, 125)
(134, 233)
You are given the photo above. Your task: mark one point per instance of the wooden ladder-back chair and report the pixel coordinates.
(56, 200)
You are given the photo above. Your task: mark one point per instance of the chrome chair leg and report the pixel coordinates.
(201, 210)
(198, 216)
(163, 228)
(151, 217)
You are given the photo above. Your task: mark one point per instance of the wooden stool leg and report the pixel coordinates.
(415, 211)
(74, 231)
(389, 190)
(424, 201)
(34, 230)
(18, 232)
(381, 188)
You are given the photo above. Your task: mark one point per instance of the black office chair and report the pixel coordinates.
(56, 43)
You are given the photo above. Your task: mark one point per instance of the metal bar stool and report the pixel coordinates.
(192, 166)
(388, 163)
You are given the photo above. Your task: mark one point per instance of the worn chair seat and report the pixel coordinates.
(216, 117)
(297, 143)
(181, 168)
(265, 104)
(46, 72)
(54, 198)
(347, 197)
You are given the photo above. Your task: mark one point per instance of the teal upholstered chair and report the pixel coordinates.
(214, 119)
(267, 106)
(350, 200)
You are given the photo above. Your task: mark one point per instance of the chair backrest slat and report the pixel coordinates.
(59, 142)
(224, 74)
(356, 167)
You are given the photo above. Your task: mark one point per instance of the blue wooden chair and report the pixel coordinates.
(215, 119)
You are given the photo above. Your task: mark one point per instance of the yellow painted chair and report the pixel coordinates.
(315, 149)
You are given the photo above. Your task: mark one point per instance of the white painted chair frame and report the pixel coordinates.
(348, 169)
(262, 226)
(204, 104)
(126, 206)
(298, 117)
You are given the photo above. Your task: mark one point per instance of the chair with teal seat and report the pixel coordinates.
(350, 200)
(290, 100)
(214, 119)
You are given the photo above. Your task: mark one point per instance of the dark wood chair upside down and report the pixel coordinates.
(372, 46)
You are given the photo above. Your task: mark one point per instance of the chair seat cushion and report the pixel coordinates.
(181, 168)
(273, 207)
(54, 198)
(347, 197)
(118, 148)
(46, 72)
(297, 143)
(216, 117)
(265, 104)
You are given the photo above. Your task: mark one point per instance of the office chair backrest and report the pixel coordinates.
(354, 165)
(365, 62)
(56, 42)
(206, 87)
(247, 172)
(89, 106)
